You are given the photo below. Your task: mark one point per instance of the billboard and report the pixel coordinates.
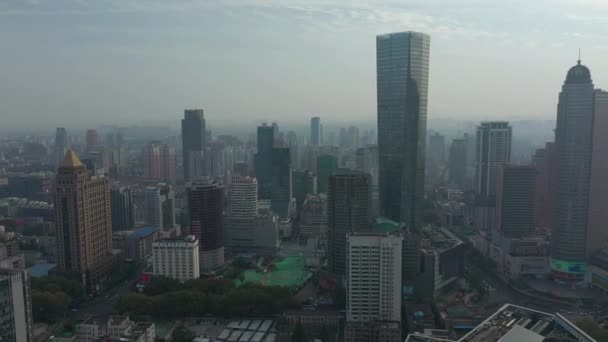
(573, 267)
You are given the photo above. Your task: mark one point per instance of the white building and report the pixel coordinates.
(15, 306)
(177, 259)
(373, 277)
(493, 148)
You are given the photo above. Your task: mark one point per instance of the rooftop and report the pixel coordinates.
(386, 225)
(143, 232)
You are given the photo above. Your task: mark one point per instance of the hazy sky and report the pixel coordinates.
(83, 62)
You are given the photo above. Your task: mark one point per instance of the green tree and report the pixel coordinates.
(49, 307)
(160, 285)
(298, 334)
(324, 334)
(182, 334)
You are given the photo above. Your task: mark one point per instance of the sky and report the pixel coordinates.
(87, 62)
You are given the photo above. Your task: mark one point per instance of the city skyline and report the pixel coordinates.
(337, 73)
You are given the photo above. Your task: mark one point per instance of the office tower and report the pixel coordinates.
(515, 200)
(353, 137)
(294, 149)
(167, 163)
(343, 138)
(402, 72)
(242, 197)
(281, 182)
(373, 296)
(159, 206)
(263, 160)
(545, 161)
(61, 146)
(597, 234)
(457, 162)
(152, 163)
(123, 217)
(367, 161)
(492, 149)
(326, 165)
(83, 221)
(206, 210)
(16, 322)
(573, 142)
(176, 258)
(348, 210)
(194, 144)
(304, 183)
(313, 217)
(92, 140)
(315, 131)
(436, 149)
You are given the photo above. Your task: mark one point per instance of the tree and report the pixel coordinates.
(324, 334)
(160, 285)
(49, 307)
(241, 262)
(182, 334)
(298, 334)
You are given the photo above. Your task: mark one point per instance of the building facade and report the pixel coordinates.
(326, 164)
(123, 217)
(402, 73)
(263, 160)
(61, 146)
(348, 210)
(176, 258)
(194, 144)
(516, 200)
(457, 162)
(573, 142)
(83, 221)
(16, 321)
(206, 213)
(315, 131)
(492, 149)
(159, 206)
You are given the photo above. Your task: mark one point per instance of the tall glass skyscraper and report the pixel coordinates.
(573, 141)
(315, 131)
(193, 144)
(402, 72)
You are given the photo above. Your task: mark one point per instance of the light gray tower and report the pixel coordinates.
(573, 142)
(402, 72)
(493, 148)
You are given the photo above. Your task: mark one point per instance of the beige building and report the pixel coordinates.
(177, 259)
(83, 222)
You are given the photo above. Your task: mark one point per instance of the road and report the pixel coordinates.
(101, 305)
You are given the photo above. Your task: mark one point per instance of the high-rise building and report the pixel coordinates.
(373, 286)
(92, 140)
(61, 146)
(263, 160)
(123, 217)
(402, 73)
(326, 165)
(493, 148)
(206, 210)
(515, 200)
(304, 183)
(573, 142)
(243, 197)
(457, 162)
(168, 163)
(176, 258)
(294, 149)
(16, 321)
(194, 144)
(152, 162)
(315, 131)
(159, 206)
(348, 210)
(545, 161)
(281, 182)
(437, 148)
(83, 221)
(597, 234)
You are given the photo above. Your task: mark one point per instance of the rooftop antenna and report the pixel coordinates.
(579, 56)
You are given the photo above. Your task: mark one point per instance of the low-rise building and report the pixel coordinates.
(176, 258)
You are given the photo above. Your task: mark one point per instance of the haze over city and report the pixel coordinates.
(77, 63)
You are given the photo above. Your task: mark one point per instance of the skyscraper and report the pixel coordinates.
(152, 163)
(326, 164)
(263, 160)
(167, 163)
(573, 142)
(493, 148)
(61, 146)
(159, 206)
(545, 161)
(16, 322)
(437, 148)
(243, 197)
(83, 221)
(348, 210)
(515, 200)
(315, 131)
(92, 140)
(402, 72)
(123, 217)
(597, 234)
(193, 144)
(206, 211)
(457, 162)
(281, 182)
